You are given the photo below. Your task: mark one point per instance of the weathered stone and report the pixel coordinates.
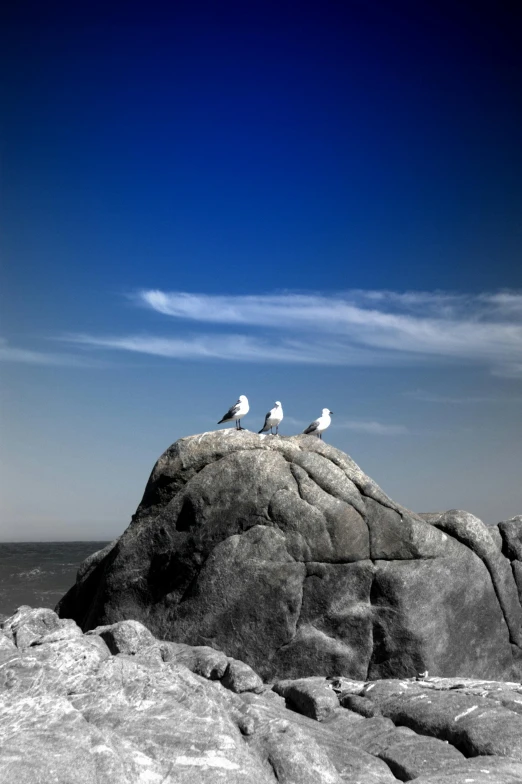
(409, 598)
(221, 608)
(28, 625)
(481, 770)
(178, 720)
(201, 659)
(511, 533)
(149, 656)
(497, 732)
(88, 591)
(472, 532)
(44, 739)
(72, 712)
(67, 630)
(312, 697)
(294, 756)
(361, 705)
(413, 756)
(354, 765)
(517, 575)
(473, 724)
(335, 624)
(70, 718)
(332, 735)
(57, 666)
(92, 561)
(375, 734)
(8, 649)
(496, 536)
(396, 535)
(379, 690)
(125, 637)
(342, 685)
(128, 718)
(240, 677)
(508, 699)
(335, 566)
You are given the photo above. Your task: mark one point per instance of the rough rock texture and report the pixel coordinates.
(510, 533)
(282, 553)
(74, 709)
(310, 696)
(125, 637)
(471, 531)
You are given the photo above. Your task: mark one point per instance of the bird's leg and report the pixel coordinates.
(277, 430)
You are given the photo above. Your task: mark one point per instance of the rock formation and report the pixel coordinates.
(282, 553)
(117, 706)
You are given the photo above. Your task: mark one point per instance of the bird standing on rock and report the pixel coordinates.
(319, 425)
(273, 418)
(236, 412)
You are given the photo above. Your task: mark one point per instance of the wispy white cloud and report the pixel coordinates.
(431, 397)
(230, 347)
(343, 307)
(508, 370)
(29, 357)
(371, 427)
(353, 328)
(485, 328)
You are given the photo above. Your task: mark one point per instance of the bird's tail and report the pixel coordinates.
(221, 420)
(263, 430)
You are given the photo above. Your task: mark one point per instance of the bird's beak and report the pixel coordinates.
(331, 412)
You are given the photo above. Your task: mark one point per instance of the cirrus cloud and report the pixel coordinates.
(356, 327)
(26, 356)
(484, 328)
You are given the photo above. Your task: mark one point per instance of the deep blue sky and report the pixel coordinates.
(256, 149)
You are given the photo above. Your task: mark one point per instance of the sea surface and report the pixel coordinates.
(39, 573)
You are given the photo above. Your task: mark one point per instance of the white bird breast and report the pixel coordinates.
(243, 409)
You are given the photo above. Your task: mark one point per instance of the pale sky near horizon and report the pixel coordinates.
(322, 208)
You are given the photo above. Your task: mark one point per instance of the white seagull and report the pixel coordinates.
(238, 410)
(273, 418)
(319, 425)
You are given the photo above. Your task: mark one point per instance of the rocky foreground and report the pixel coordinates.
(117, 706)
(271, 615)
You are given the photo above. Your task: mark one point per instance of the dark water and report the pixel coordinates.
(39, 573)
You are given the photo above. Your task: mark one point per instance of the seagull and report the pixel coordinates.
(238, 410)
(319, 425)
(273, 418)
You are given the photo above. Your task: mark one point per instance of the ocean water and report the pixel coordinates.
(39, 573)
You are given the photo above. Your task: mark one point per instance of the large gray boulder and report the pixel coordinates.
(281, 552)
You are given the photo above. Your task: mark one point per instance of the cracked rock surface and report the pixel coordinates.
(282, 553)
(117, 706)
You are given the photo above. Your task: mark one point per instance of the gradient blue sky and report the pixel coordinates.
(319, 204)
